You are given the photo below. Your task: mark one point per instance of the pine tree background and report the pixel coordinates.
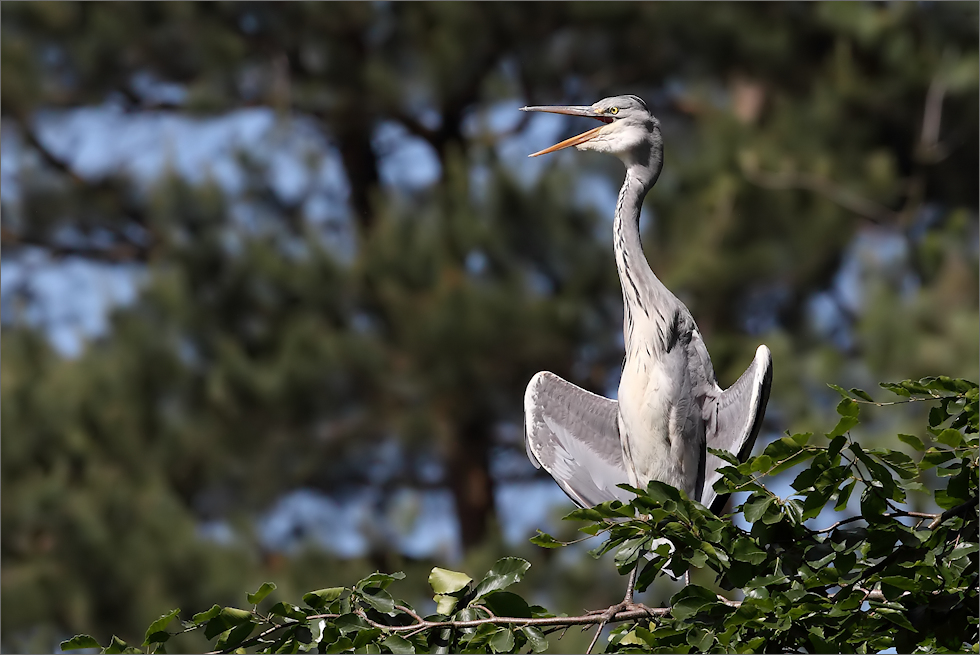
(339, 271)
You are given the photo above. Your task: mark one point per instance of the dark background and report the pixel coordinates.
(276, 275)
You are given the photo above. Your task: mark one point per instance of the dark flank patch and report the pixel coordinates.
(673, 332)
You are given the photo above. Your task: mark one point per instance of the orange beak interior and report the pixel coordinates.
(570, 111)
(574, 141)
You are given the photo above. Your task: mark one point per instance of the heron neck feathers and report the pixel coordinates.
(644, 295)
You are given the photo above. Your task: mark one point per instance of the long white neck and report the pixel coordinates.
(635, 273)
(645, 298)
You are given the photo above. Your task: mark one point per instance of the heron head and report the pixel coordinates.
(629, 130)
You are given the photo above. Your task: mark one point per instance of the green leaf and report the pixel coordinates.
(629, 551)
(913, 441)
(898, 461)
(444, 581)
(896, 389)
(690, 600)
(938, 415)
(322, 597)
(820, 645)
(836, 444)
(945, 500)
(379, 599)
(228, 617)
(201, 617)
(754, 509)
(545, 540)
(849, 411)
(896, 617)
(815, 502)
(263, 591)
(502, 641)
(839, 390)
(504, 573)
(935, 457)
(506, 603)
(848, 407)
(536, 638)
(700, 639)
(80, 641)
(398, 645)
(764, 581)
(378, 579)
(159, 637)
(872, 504)
(782, 448)
(950, 437)
(844, 495)
(117, 645)
(230, 639)
(863, 395)
(901, 582)
(159, 626)
(445, 603)
(962, 550)
(761, 463)
(724, 455)
(350, 622)
(745, 550)
(364, 637)
(341, 645)
(801, 438)
(287, 610)
(662, 492)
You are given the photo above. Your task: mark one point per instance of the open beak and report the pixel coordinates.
(571, 111)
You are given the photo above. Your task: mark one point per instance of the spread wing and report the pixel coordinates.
(574, 435)
(733, 419)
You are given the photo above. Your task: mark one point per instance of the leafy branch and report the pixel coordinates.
(843, 588)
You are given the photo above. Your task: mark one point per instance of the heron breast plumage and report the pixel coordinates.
(661, 426)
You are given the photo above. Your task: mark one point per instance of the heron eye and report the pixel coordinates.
(614, 110)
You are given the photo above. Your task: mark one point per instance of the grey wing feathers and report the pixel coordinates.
(733, 419)
(574, 434)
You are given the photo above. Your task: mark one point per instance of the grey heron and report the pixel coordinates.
(669, 406)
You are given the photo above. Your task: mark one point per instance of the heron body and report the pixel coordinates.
(669, 405)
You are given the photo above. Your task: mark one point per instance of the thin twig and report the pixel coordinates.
(585, 619)
(845, 198)
(850, 519)
(485, 609)
(956, 511)
(254, 640)
(595, 638)
(410, 612)
(919, 515)
(911, 399)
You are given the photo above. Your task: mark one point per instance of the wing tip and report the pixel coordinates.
(530, 401)
(763, 362)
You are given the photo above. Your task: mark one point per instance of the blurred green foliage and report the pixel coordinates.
(821, 162)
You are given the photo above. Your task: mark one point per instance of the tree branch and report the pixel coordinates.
(956, 511)
(849, 200)
(637, 612)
